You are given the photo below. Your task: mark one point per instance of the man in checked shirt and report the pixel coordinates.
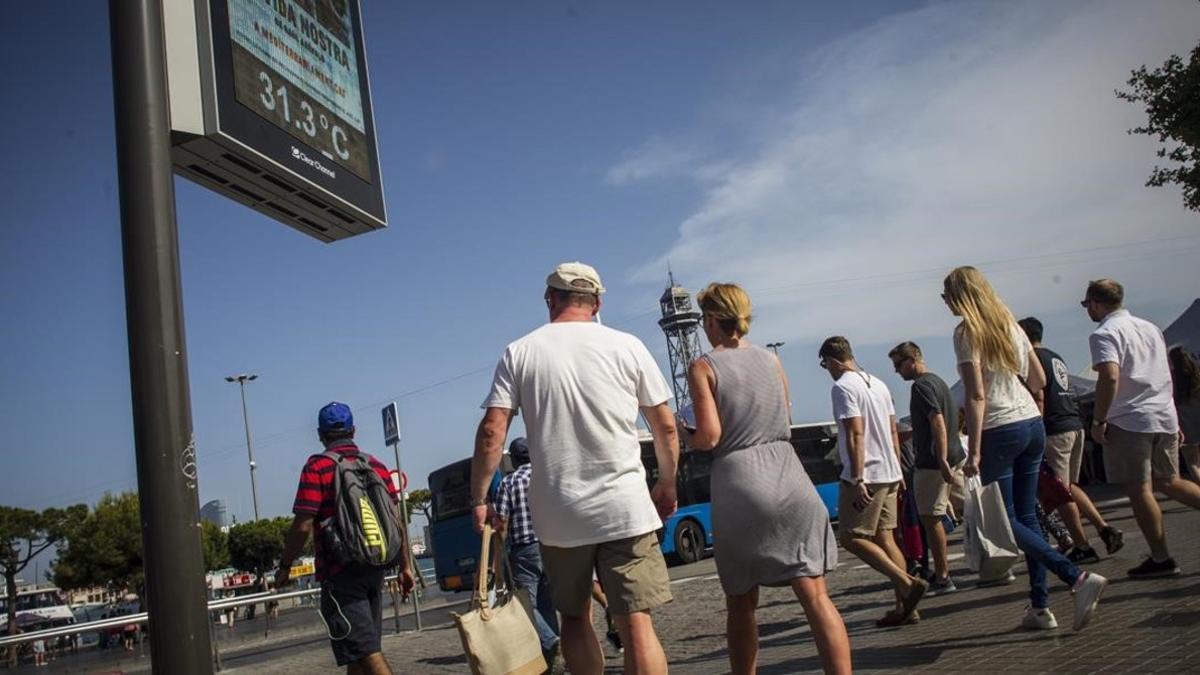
(511, 502)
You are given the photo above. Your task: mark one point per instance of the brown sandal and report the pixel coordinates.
(894, 618)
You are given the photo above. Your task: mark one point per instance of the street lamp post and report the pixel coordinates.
(242, 380)
(774, 346)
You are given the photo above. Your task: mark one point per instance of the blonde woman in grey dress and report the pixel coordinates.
(770, 527)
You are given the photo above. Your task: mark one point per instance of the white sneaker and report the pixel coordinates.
(1088, 590)
(1039, 619)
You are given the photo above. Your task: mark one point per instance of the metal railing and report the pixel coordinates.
(143, 618)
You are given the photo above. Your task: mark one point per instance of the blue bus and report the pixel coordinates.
(452, 537)
(689, 533)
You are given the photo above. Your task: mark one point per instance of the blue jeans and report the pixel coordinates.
(528, 573)
(1011, 455)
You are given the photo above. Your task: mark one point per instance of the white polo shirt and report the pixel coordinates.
(1144, 402)
(860, 394)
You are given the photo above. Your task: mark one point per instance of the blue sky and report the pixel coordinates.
(836, 159)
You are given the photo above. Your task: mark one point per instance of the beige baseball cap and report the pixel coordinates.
(576, 277)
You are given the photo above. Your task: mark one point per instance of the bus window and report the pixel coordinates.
(695, 471)
(816, 446)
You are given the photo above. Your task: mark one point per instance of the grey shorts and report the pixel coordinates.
(1137, 457)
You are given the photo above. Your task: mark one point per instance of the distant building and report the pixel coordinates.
(214, 512)
(96, 595)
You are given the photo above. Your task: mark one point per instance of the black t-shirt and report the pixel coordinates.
(1061, 413)
(930, 394)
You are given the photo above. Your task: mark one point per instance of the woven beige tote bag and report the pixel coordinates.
(499, 639)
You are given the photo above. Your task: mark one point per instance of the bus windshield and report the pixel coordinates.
(451, 490)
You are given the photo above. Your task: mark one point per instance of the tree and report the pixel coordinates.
(24, 534)
(419, 500)
(105, 549)
(1171, 95)
(256, 546)
(215, 545)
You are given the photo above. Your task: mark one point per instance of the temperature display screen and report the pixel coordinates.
(295, 64)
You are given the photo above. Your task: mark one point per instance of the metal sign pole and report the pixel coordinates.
(408, 554)
(162, 424)
(394, 591)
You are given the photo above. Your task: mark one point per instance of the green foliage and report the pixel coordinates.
(24, 534)
(419, 500)
(1171, 95)
(215, 545)
(256, 546)
(104, 548)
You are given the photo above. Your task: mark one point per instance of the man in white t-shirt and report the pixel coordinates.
(580, 387)
(1134, 418)
(869, 446)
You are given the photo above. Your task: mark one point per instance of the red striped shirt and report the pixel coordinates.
(315, 495)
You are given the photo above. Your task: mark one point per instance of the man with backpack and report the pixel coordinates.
(347, 501)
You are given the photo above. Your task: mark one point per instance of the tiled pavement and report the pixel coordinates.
(1145, 626)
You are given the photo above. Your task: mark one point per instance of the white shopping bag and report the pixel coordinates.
(989, 544)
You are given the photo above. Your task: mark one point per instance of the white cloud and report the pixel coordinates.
(961, 133)
(658, 157)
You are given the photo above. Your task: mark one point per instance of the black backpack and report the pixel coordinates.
(365, 527)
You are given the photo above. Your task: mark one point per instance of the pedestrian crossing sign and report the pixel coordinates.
(391, 424)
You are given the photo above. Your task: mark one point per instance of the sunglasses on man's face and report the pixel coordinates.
(898, 364)
(1084, 303)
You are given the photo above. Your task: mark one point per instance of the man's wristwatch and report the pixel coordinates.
(859, 481)
(479, 502)
(1097, 423)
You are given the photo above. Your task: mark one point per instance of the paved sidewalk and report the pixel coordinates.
(1144, 626)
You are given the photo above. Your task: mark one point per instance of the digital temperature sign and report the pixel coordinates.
(273, 109)
(293, 64)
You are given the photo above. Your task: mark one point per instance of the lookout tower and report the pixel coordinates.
(679, 322)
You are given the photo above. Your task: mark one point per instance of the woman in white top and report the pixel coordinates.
(1005, 436)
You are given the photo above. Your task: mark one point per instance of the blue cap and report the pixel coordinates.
(335, 417)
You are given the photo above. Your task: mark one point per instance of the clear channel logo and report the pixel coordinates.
(299, 154)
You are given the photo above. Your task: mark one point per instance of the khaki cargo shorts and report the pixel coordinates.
(936, 497)
(1064, 455)
(631, 571)
(1137, 457)
(878, 516)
